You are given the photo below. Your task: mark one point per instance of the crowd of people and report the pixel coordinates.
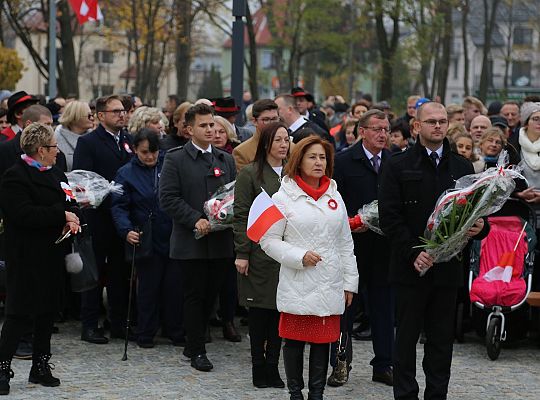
(308, 279)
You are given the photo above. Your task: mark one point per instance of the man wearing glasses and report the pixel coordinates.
(265, 111)
(104, 151)
(357, 174)
(411, 183)
(299, 126)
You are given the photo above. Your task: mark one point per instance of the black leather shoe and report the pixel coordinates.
(386, 377)
(272, 377)
(363, 335)
(24, 351)
(92, 335)
(201, 363)
(230, 333)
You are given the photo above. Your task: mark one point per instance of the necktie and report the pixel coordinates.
(375, 162)
(434, 158)
(117, 140)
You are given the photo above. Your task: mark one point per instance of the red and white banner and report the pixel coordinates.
(86, 10)
(262, 215)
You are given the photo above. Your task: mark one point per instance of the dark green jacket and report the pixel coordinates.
(258, 289)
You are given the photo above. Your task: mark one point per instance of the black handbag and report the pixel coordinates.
(88, 277)
(145, 249)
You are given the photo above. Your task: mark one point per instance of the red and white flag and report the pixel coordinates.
(86, 10)
(262, 215)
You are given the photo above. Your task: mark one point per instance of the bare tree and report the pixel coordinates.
(465, 7)
(490, 10)
(388, 42)
(22, 15)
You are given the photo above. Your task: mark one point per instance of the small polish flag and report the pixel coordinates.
(503, 271)
(262, 215)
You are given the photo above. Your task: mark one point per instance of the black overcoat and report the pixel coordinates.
(34, 206)
(358, 184)
(410, 187)
(188, 179)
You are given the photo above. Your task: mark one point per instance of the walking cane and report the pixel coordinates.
(125, 357)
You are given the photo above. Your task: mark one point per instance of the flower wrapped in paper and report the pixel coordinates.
(89, 188)
(473, 197)
(219, 209)
(367, 216)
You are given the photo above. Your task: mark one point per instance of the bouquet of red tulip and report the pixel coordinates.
(368, 216)
(457, 210)
(219, 209)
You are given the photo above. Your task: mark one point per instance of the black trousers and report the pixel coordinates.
(381, 318)
(264, 339)
(114, 271)
(202, 280)
(152, 292)
(228, 295)
(15, 326)
(432, 308)
(173, 302)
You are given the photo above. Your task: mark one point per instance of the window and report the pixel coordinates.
(103, 57)
(267, 59)
(102, 90)
(523, 36)
(521, 73)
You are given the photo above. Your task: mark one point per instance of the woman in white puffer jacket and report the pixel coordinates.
(318, 272)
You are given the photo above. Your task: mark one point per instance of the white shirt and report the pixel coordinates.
(297, 124)
(278, 170)
(208, 149)
(369, 155)
(438, 151)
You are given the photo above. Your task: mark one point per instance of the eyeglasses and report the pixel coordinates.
(268, 120)
(49, 146)
(433, 122)
(90, 116)
(378, 129)
(116, 112)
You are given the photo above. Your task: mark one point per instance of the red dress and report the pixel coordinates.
(310, 328)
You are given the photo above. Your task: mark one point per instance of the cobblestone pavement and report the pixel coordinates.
(90, 371)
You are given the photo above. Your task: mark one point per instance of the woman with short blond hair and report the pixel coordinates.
(76, 120)
(148, 117)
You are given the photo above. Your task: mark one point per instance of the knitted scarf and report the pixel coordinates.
(530, 150)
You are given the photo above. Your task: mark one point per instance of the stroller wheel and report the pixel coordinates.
(493, 338)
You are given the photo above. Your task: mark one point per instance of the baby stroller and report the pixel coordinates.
(501, 268)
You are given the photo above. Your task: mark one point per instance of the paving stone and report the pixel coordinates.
(90, 371)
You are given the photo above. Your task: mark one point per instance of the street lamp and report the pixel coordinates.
(237, 67)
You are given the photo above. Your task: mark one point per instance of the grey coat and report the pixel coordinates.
(187, 181)
(258, 289)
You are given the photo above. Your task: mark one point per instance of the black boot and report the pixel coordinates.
(272, 376)
(293, 358)
(6, 373)
(259, 376)
(41, 371)
(318, 368)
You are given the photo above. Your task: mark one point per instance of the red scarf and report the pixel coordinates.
(324, 184)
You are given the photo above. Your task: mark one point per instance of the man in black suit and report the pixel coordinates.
(299, 126)
(190, 175)
(411, 183)
(104, 151)
(357, 174)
